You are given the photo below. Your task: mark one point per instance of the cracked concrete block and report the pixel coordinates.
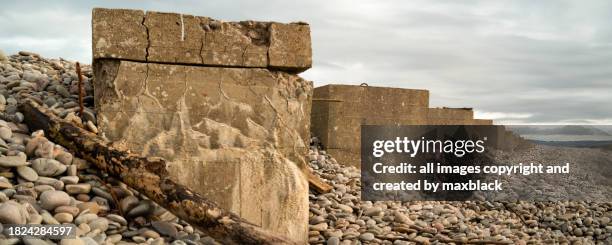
(186, 39)
(235, 135)
(119, 34)
(241, 44)
(290, 46)
(174, 38)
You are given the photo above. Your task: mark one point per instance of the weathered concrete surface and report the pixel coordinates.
(236, 135)
(290, 46)
(450, 116)
(187, 39)
(119, 34)
(338, 112)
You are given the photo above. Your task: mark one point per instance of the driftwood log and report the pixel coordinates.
(150, 177)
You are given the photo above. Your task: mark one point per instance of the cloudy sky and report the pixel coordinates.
(513, 61)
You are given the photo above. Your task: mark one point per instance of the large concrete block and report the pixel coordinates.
(338, 112)
(187, 39)
(236, 135)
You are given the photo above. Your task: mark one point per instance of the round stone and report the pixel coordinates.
(72, 210)
(149, 234)
(99, 223)
(64, 157)
(27, 173)
(373, 211)
(139, 239)
(68, 180)
(144, 208)
(13, 161)
(117, 218)
(63, 217)
(366, 237)
(333, 241)
(48, 218)
(50, 200)
(5, 133)
(48, 167)
(85, 218)
(12, 213)
(165, 228)
(78, 188)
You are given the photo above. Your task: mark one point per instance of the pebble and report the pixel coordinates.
(27, 173)
(119, 219)
(13, 161)
(12, 213)
(366, 237)
(93, 207)
(373, 211)
(49, 200)
(48, 167)
(5, 133)
(150, 234)
(99, 223)
(143, 209)
(74, 211)
(165, 228)
(70, 180)
(47, 218)
(85, 218)
(333, 241)
(83, 188)
(63, 217)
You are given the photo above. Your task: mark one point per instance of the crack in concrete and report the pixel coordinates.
(244, 52)
(148, 37)
(202, 48)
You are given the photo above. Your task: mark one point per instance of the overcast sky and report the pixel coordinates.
(513, 61)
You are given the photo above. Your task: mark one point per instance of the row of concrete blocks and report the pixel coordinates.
(339, 111)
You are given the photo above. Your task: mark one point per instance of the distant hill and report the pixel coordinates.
(607, 145)
(564, 130)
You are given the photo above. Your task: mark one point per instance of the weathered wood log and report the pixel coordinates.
(317, 184)
(150, 177)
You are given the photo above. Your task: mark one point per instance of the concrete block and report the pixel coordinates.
(235, 135)
(186, 39)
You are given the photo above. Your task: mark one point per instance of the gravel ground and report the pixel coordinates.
(339, 217)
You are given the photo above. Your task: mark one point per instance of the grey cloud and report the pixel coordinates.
(548, 59)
